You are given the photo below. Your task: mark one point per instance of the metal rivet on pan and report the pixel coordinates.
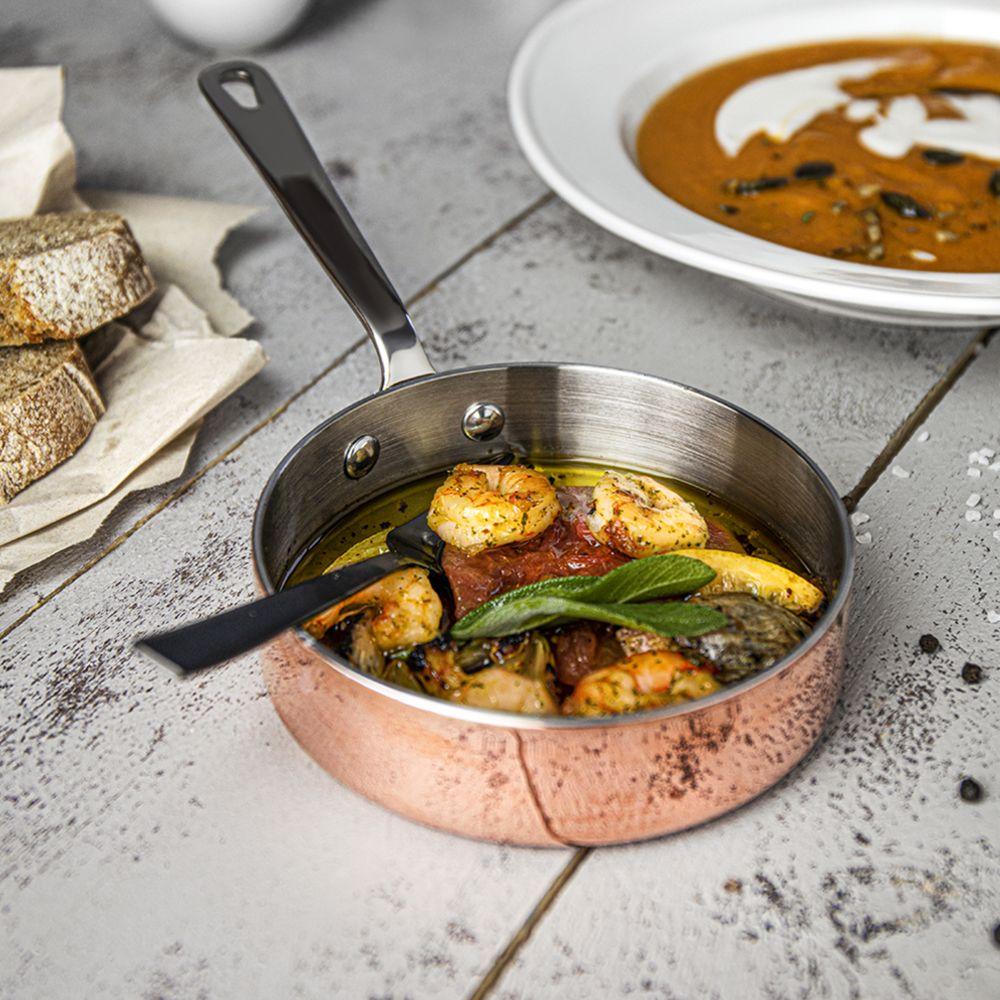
(483, 421)
(360, 456)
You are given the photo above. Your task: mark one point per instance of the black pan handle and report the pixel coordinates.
(192, 648)
(269, 134)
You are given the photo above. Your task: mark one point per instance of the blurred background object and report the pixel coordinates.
(231, 24)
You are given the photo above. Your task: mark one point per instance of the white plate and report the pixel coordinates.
(585, 76)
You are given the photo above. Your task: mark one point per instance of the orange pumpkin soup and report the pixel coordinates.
(878, 152)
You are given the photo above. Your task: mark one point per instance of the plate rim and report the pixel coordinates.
(915, 300)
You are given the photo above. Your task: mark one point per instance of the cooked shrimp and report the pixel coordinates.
(644, 680)
(741, 574)
(407, 610)
(640, 517)
(492, 687)
(482, 506)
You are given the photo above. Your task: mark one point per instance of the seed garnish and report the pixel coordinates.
(904, 205)
(873, 225)
(814, 170)
(754, 186)
(808, 216)
(942, 157)
(995, 184)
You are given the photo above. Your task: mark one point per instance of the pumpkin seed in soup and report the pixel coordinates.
(942, 157)
(815, 170)
(904, 205)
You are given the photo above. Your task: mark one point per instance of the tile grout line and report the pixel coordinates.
(524, 932)
(175, 494)
(918, 415)
(900, 436)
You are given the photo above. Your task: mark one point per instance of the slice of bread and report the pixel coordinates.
(65, 274)
(49, 403)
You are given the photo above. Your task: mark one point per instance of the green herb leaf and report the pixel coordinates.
(671, 618)
(646, 579)
(602, 598)
(638, 580)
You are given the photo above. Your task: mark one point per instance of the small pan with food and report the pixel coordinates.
(535, 603)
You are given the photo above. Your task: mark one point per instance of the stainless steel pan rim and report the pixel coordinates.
(513, 720)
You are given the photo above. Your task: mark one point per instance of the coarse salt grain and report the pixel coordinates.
(987, 452)
(857, 518)
(995, 467)
(996, 514)
(973, 500)
(993, 617)
(900, 473)
(972, 515)
(974, 473)
(923, 436)
(865, 538)
(996, 534)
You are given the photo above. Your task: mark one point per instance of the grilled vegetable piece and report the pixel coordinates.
(757, 635)
(736, 573)
(492, 687)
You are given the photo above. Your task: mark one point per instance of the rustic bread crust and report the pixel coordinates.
(65, 274)
(49, 404)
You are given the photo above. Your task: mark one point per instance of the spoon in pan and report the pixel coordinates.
(206, 643)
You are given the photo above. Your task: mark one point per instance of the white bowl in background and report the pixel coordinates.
(584, 78)
(231, 25)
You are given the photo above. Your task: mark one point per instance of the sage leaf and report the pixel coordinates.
(649, 578)
(606, 598)
(540, 610)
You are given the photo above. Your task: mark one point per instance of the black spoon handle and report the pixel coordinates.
(211, 641)
(267, 131)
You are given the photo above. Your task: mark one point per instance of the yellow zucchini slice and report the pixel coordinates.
(740, 574)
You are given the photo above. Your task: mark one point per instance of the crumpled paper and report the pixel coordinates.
(37, 159)
(179, 239)
(158, 379)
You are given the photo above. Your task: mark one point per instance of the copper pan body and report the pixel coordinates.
(556, 781)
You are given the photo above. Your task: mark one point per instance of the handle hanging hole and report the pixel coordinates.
(238, 84)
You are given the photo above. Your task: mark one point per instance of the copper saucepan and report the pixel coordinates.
(488, 774)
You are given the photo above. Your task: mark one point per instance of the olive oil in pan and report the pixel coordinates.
(362, 534)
